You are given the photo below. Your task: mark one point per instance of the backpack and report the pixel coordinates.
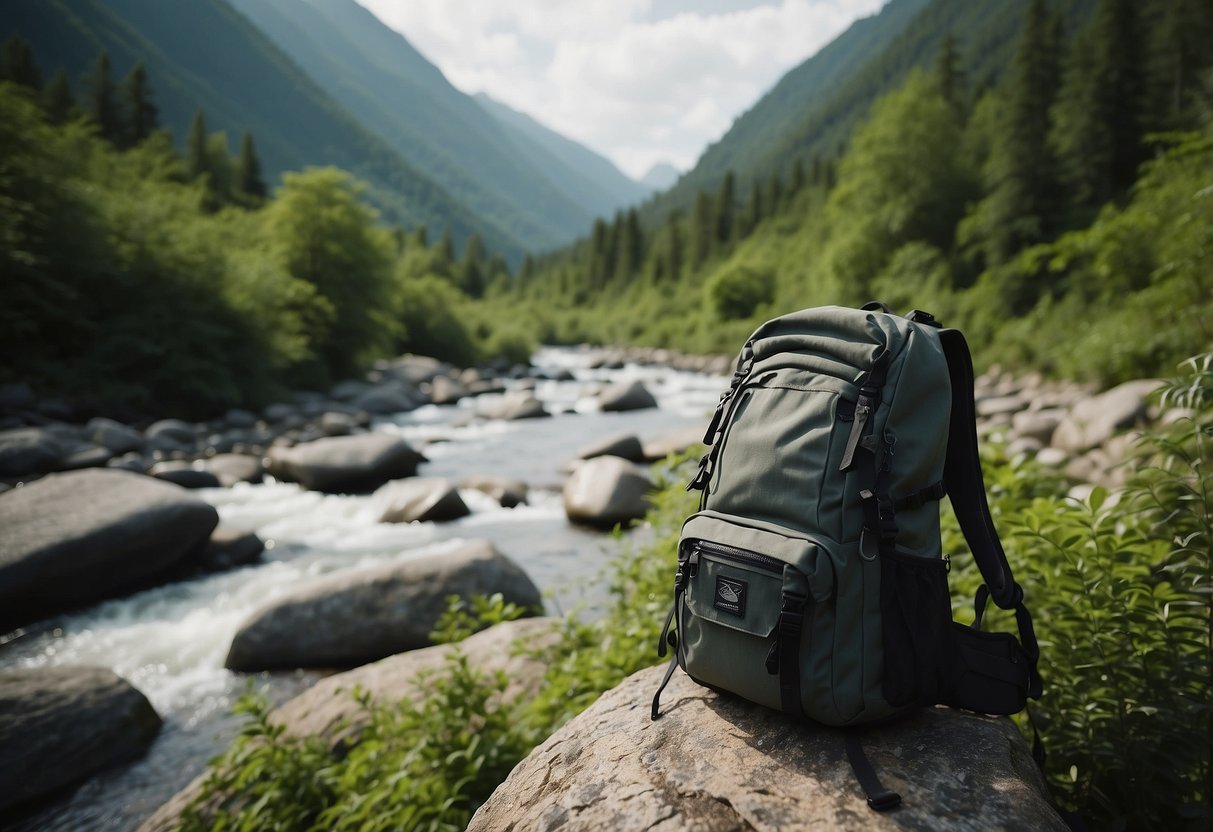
(812, 580)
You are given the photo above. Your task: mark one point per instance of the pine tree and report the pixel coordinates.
(1022, 202)
(949, 73)
(197, 160)
(1177, 52)
(754, 209)
(17, 63)
(774, 193)
(673, 249)
(703, 229)
(630, 253)
(101, 101)
(421, 237)
(248, 170)
(445, 254)
(472, 277)
(725, 209)
(1099, 117)
(798, 177)
(57, 100)
(599, 244)
(141, 112)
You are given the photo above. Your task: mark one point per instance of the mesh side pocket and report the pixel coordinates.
(916, 622)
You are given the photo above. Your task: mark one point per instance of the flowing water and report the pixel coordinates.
(171, 641)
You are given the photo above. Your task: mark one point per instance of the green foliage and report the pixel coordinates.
(739, 291)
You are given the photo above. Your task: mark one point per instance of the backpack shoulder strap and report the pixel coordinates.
(963, 479)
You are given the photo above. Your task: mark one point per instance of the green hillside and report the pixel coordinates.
(515, 176)
(206, 55)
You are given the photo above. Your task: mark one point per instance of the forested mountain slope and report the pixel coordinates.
(204, 54)
(527, 179)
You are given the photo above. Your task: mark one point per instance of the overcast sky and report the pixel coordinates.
(639, 81)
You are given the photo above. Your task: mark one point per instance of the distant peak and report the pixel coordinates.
(661, 176)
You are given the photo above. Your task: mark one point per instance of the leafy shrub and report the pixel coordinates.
(738, 291)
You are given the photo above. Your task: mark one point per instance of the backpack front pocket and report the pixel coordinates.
(741, 580)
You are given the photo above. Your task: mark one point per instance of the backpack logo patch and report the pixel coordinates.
(730, 595)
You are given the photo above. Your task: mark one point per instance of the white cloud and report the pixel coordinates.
(632, 84)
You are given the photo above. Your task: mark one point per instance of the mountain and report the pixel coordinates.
(203, 53)
(660, 176)
(811, 111)
(581, 173)
(542, 188)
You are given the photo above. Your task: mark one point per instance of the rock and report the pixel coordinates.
(509, 493)
(995, 406)
(229, 548)
(633, 396)
(80, 537)
(411, 369)
(421, 499)
(328, 709)
(184, 474)
(337, 424)
(347, 391)
(175, 429)
(237, 418)
(1054, 457)
(1037, 424)
(280, 412)
(28, 451)
(85, 455)
(517, 405)
(1023, 445)
(1092, 421)
(360, 615)
(117, 437)
(388, 399)
(675, 443)
(606, 491)
(625, 446)
(720, 763)
(230, 469)
(345, 463)
(61, 725)
(446, 390)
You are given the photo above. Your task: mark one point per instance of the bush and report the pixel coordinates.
(738, 292)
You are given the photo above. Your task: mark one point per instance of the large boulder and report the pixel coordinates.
(421, 500)
(1093, 421)
(606, 491)
(75, 538)
(632, 396)
(60, 725)
(25, 451)
(717, 763)
(345, 463)
(328, 709)
(360, 615)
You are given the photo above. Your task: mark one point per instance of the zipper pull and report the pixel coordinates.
(863, 409)
(773, 657)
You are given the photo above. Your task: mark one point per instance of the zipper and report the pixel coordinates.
(720, 550)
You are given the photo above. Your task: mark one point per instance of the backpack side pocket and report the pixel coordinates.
(916, 625)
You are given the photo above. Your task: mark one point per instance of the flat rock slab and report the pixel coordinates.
(79, 537)
(715, 763)
(60, 725)
(345, 463)
(360, 615)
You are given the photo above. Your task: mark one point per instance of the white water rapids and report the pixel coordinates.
(171, 641)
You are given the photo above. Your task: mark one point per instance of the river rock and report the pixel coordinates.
(61, 725)
(446, 390)
(117, 437)
(421, 499)
(517, 405)
(717, 763)
(411, 369)
(1092, 421)
(625, 446)
(28, 451)
(184, 474)
(1037, 424)
(677, 442)
(345, 463)
(79, 537)
(84, 455)
(387, 399)
(347, 391)
(328, 709)
(632, 396)
(177, 430)
(606, 491)
(360, 615)
(509, 493)
(280, 412)
(228, 549)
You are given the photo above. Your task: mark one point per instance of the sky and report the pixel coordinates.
(639, 81)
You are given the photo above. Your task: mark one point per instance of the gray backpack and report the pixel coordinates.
(812, 579)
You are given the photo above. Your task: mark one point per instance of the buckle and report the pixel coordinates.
(884, 801)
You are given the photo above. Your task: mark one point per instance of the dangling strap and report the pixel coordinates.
(671, 636)
(880, 799)
(963, 478)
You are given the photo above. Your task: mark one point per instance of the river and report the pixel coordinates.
(171, 641)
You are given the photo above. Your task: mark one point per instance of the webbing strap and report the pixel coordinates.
(879, 798)
(963, 479)
(791, 623)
